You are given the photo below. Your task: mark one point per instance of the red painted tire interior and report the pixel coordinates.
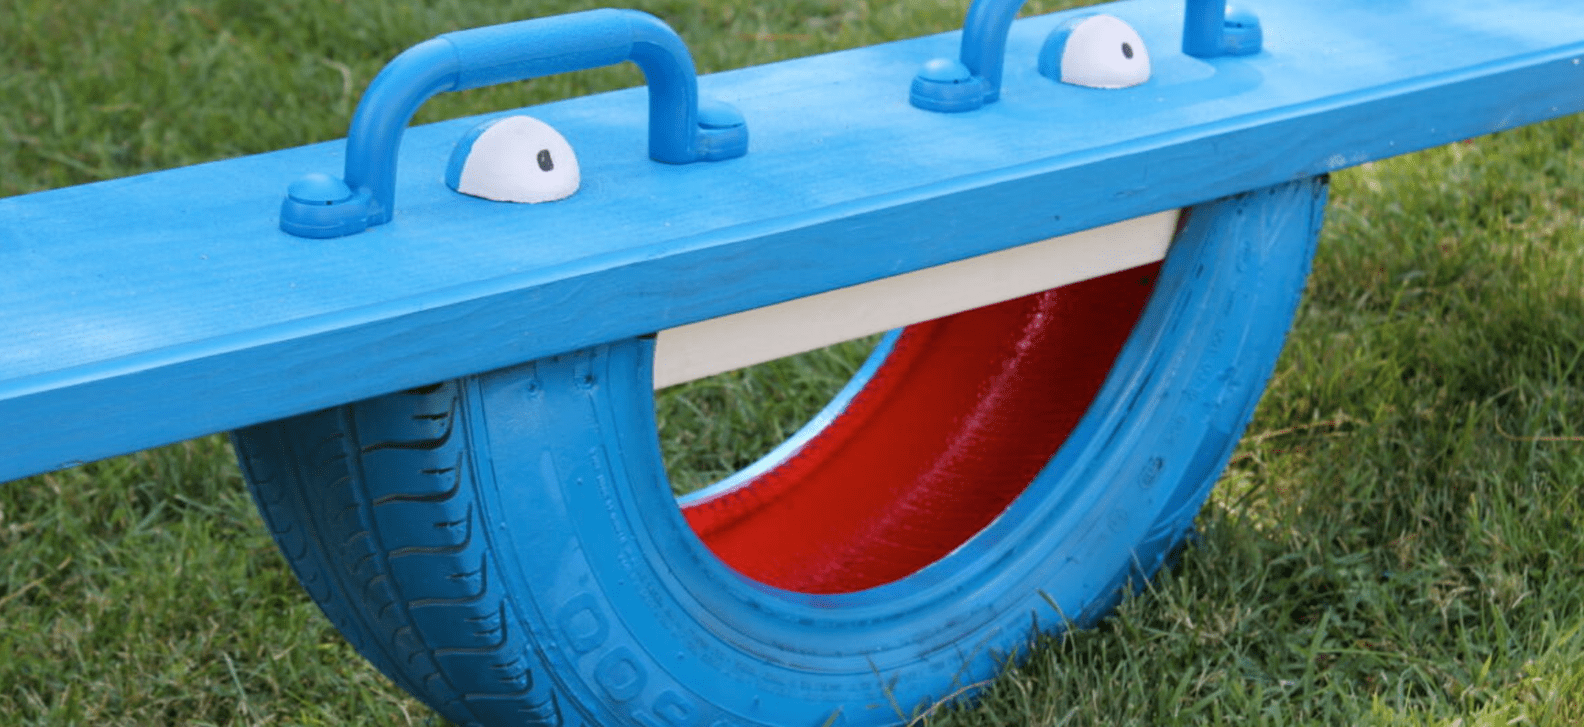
(951, 428)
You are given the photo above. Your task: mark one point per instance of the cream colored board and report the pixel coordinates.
(708, 347)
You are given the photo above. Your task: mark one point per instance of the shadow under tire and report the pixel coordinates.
(506, 547)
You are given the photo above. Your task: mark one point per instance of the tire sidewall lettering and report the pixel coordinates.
(621, 675)
(582, 626)
(617, 670)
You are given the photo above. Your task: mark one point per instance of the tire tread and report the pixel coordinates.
(381, 527)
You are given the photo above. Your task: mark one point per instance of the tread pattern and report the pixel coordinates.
(373, 504)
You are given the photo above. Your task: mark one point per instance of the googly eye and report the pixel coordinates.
(1097, 51)
(514, 159)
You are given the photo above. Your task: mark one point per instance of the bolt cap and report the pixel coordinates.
(718, 115)
(945, 70)
(319, 188)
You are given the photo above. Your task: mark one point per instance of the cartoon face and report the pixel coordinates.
(1097, 51)
(514, 159)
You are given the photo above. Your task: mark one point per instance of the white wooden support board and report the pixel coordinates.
(730, 342)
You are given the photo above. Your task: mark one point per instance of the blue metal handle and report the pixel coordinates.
(321, 206)
(952, 86)
(1202, 27)
(1211, 29)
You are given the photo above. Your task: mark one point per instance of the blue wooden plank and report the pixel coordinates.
(149, 309)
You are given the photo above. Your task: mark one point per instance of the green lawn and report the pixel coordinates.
(1399, 540)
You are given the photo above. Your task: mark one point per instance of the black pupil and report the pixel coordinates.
(1127, 50)
(547, 164)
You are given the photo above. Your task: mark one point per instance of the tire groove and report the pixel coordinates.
(435, 497)
(424, 444)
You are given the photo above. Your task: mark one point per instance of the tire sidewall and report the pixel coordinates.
(639, 624)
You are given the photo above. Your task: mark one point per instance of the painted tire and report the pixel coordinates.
(506, 547)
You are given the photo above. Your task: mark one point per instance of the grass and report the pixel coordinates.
(1398, 541)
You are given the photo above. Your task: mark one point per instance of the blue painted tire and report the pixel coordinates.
(506, 547)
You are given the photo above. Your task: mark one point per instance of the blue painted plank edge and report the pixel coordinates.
(150, 309)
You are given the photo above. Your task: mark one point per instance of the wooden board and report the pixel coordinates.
(150, 309)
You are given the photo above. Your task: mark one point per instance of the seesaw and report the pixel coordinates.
(503, 543)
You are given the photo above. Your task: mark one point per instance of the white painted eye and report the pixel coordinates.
(515, 159)
(1097, 51)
